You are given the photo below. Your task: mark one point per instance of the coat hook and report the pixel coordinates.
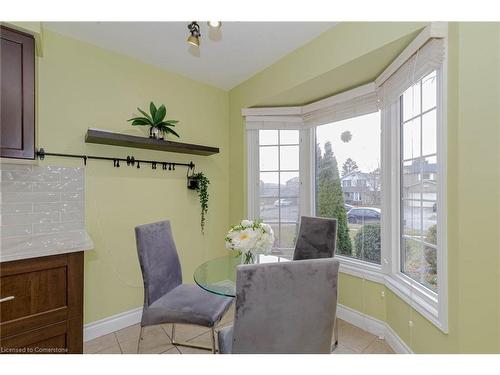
(84, 159)
(117, 163)
(153, 165)
(170, 167)
(138, 164)
(173, 166)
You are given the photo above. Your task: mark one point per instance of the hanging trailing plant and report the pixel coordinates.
(202, 189)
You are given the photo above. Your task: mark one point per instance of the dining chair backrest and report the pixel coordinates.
(160, 266)
(287, 307)
(317, 238)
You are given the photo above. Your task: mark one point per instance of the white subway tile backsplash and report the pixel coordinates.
(59, 206)
(72, 216)
(42, 210)
(30, 197)
(33, 218)
(41, 207)
(30, 176)
(16, 186)
(72, 174)
(73, 196)
(15, 230)
(16, 167)
(16, 208)
(58, 227)
(69, 186)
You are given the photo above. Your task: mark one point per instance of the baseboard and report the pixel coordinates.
(375, 327)
(111, 324)
(370, 324)
(395, 342)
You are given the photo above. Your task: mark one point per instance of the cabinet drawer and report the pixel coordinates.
(32, 293)
(42, 300)
(48, 339)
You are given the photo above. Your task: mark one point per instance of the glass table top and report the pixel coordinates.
(218, 275)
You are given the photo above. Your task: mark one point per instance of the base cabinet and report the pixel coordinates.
(41, 308)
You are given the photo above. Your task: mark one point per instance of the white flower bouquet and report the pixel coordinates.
(250, 237)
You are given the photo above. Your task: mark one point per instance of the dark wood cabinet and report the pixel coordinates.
(17, 96)
(42, 305)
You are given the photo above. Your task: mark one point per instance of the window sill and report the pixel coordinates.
(418, 297)
(359, 268)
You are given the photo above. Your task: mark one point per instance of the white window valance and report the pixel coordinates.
(358, 106)
(429, 57)
(423, 55)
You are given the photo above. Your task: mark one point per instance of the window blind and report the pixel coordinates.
(428, 58)
(358, 106)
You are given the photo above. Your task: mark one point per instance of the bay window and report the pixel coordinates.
(279, 184)
(348, 185)
(419, 181)
(374, 158)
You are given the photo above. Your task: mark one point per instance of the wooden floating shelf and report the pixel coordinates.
(115, 139)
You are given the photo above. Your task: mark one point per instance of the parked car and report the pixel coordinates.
(348, 207)
(282, 203)
(360, 215)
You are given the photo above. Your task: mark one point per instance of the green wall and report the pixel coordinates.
(473, 169)
(82, 86)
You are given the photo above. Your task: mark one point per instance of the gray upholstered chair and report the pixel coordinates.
(317, 238)
(166, 298)
(287, 307)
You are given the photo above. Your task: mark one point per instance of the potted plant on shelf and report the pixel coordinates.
(158, 126)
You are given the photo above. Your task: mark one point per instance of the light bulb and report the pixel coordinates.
(214, 24)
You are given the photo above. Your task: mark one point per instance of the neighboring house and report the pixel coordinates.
(420, 178)
(361, 188)
(288, 188)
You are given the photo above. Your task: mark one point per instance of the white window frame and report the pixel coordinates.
(253, 168)
(433, 306)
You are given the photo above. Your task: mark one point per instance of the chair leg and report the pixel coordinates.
(336, 332)
(214, 350)
(139, 341)
(188, 345)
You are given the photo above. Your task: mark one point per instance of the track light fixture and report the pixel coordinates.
(195, 34)
(194, 38)
(215, 24)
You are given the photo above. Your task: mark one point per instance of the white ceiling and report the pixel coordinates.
(224, 60)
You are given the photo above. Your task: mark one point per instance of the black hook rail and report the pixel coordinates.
(130, 160)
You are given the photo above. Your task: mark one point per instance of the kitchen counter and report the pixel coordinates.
(16, 248)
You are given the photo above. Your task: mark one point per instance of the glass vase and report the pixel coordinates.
(247, 258)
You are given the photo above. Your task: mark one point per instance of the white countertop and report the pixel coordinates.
(24, 247)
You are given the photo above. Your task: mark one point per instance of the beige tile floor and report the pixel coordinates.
(352, 340)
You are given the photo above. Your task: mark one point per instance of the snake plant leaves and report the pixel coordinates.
(141, 122)
(171, 131)
(152, 109)
(155, 119)
(146, 115)
(160, 114)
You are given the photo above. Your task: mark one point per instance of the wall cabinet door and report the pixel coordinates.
(17, 96)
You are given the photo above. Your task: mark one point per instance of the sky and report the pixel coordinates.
(363, 148)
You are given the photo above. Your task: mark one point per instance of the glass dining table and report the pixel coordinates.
(218, 275)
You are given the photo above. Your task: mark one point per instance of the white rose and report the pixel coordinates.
(246, 223)
(267, 228)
